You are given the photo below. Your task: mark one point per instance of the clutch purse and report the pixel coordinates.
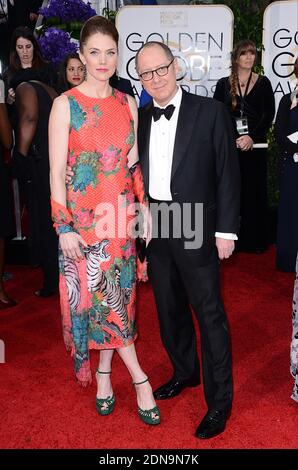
(141, 248)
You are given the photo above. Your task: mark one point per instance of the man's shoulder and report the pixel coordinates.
(143, 110)
(205, 101)
(189, 99)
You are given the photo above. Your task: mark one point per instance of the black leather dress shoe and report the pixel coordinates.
(213, 423)
(173, 388)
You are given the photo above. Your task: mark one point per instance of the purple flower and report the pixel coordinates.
(68, 10)
(55, 44)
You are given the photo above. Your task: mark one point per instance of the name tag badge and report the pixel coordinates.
(242, 125)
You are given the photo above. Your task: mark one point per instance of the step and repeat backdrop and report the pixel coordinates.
(201, 37)
(280, 40)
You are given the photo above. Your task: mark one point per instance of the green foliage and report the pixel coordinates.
(248, 20)
(109, 14)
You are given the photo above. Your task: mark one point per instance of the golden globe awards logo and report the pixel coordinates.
(280, 39)
(200, 38)
(283, 62)
(200, 57)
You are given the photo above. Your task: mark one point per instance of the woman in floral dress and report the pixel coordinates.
(92, 131)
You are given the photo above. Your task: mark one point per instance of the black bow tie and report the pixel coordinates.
(168, 112)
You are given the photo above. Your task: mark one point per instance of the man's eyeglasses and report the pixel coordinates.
(161, 72)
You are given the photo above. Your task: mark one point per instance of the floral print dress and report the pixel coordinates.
(98, 294)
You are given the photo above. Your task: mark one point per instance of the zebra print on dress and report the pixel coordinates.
(115, 297)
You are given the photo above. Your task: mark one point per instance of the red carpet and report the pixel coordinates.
(42, 407)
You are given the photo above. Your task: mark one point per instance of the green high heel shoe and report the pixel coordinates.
(105, 406)
(151, 416)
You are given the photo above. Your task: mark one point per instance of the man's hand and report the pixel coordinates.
(224, 247)
(147, 223)
(244, 143)
(69, 175)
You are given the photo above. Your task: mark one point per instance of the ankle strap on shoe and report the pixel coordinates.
(140, 383)
(102, 372)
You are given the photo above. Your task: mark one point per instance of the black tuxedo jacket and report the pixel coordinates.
(205, 165)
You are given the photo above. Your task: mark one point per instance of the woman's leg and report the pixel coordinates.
(104, 386)
(145, 397)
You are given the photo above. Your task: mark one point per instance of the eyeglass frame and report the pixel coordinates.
(156, 71)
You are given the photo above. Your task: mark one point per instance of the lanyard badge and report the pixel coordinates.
(242, 121)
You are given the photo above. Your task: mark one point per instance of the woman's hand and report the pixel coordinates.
(70, 245)
(11, 97)
(244, 143)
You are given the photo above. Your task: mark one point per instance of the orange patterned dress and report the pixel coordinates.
(98, 294)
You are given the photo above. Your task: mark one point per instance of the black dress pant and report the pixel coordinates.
(178, 283)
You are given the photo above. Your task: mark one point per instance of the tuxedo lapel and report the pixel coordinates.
(145, 118)
(185, 124)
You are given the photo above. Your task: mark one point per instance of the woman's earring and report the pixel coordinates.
(85, 72)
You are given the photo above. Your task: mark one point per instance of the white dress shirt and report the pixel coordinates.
(162, 139)
(161, 148)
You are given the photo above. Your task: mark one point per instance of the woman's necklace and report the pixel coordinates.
(244, 83)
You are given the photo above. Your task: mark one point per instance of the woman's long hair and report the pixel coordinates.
(14, 61)
(240, 48)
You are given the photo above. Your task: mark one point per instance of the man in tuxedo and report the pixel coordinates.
(188, 156)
